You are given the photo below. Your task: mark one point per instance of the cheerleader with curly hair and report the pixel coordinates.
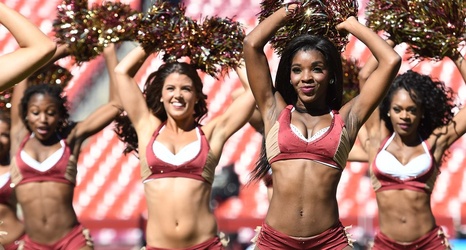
(407, 139)
(45, 148)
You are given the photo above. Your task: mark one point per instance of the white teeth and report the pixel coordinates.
(177, 104)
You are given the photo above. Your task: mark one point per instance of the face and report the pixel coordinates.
(404, 114)
(178, 96)
(310, 76)
(42, 116)
(4, 139)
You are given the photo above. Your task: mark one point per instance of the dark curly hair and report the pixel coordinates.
(432, 96)
(332, 57)
(54, 91)
(153, 93)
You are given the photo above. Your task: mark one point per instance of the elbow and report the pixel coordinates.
(249, 45)
(120, 71)
(394, 62)
(48, 50)
(363, 75)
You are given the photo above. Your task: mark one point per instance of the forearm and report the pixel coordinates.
(259, 37)
(111, 61)
(380, 49)
(132, 62)
(25, 33)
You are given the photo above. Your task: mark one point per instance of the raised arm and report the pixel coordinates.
(257, 66)
(379, 80)
(457, 127)
(35, 48)
(128, 91)
(237, 114)
(105, 114)
(374, 129)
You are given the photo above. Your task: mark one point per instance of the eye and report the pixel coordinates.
(397, 110)
(318, 69)
(296, 70)
(187, 88)
(412, 110)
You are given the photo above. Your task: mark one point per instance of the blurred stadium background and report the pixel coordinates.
(109, 195)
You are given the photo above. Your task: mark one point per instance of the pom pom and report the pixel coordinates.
(219, 46)
(433, 29)
(157, 26)
(51, 74)
(183, 34)
(74, 26)
(213, 46)
(311, 17)
(350, 78)
(118, 22)
(88, 31)
(388, 16)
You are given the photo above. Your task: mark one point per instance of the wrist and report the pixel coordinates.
(290, 6)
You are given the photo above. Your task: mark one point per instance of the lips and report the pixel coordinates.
(42, 131)
(404, 126)
(308, 89)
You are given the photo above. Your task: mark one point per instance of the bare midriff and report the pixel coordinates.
(304, 200)
(404, 215)
(47, 209)
(179, 215)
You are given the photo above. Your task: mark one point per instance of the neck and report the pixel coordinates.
(409, 140)
(52, 140)
(181, 126)
(312, 109)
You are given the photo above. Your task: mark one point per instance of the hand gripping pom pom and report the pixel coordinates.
(88, 31)
(212, 46)
(316, 17)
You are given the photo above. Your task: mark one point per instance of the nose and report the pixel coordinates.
(42, 117)
(178, 94)
(306, 76)
(404, 115)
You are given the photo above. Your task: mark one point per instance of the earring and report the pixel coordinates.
(161, 100)
(331, 81)
(388, 114)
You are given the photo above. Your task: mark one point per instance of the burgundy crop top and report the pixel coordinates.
(423, 181)
(331, 148)
(201, 167)
(63, 171)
